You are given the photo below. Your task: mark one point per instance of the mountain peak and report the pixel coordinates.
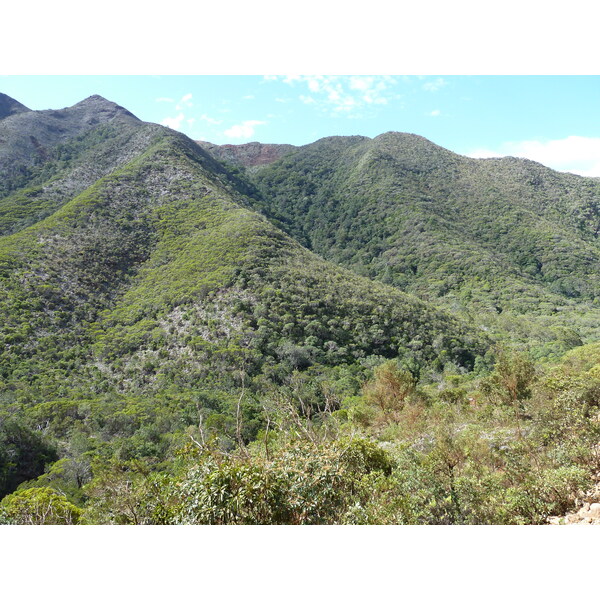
(95, 99)
(99, 104)
(401, 135)
(413, 139)
(28, 135)
(9, 106)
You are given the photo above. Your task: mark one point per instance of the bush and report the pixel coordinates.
(38, 506)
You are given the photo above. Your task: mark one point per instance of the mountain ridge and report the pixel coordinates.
(251, 154)
(340, 333)
(9, 106)
(164, 227)
(28, 136)
(357, 200)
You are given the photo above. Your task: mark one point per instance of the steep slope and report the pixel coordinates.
(493, 238)
(9, 106)
(26, 136)
(157, 276)
(68, 170)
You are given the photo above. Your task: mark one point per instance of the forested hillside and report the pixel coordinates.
(508, 243)
(329, 336)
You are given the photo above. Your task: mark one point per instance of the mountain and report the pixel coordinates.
(276, 334)
(9, 107)
(26, 136)
(252, 154)
(132, 262)
(508, 243)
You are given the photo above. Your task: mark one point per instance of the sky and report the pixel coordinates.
(548, 118)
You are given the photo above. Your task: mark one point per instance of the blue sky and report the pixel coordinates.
(551, 119)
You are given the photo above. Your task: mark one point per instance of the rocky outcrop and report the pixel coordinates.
(588, 512)
(253, 154)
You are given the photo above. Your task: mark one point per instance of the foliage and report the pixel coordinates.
(185, 342)
(126, 493)
(390, 390)
(23, 454)
(510, 382)
(299, 484)
(38, 506)
(508, 242)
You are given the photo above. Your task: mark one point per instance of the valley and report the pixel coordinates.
(355, 331)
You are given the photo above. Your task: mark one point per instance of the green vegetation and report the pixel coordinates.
(38, 506)
(23, 455)
(506, 243)
(178, 344)
(455, 455)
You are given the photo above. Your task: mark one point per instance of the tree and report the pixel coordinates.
(38, 506)
(511, 381)
(23, 455)
(390, 390)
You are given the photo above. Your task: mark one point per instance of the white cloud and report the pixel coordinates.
(574, 154)
(174, 122)
(291, 78)
(435, 85)
(435, 113)
(181, 119)
(314, 85)
(360, 83)
(185, 102)
(243, 130)
(249, 97)
(341, 94)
